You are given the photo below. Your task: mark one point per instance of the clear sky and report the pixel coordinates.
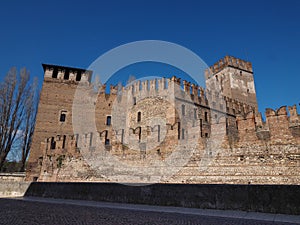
(75, 33)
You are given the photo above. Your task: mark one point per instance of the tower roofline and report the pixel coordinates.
(228, 61)
(49, 66)
(66, 73)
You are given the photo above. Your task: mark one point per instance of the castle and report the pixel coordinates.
(162, 130)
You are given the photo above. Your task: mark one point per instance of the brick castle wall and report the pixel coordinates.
(248, 149)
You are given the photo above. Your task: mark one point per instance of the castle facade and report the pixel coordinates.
(162, 130)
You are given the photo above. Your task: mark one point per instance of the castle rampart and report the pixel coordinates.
(192, 114)
(251, 150)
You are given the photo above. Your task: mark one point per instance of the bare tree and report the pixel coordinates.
(29, 122)
(15, 95)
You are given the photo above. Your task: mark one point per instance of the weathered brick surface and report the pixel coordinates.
(233, 143)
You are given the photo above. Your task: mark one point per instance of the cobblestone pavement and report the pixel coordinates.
(14, 211)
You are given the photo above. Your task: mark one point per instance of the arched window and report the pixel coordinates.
(139, 116)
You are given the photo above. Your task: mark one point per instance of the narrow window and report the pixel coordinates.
(63, 115)
(77, 139)
(91, 139)
(206, 135)
(140, 134)
(205, 117)
(52, 144)
(64, 142)
(195, 114)
(201, 128)
(182, 135)
(108, 120)
(122, 136)
(134, 100)
(178, 130)
(183, 110)
(158, 133)
(85, 138)
(106, 141)
(226, 125)
(139, 116)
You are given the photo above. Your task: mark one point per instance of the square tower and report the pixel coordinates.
(236, 80)
(54, 115)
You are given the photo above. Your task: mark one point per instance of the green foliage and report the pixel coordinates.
(60, 160)
(11, 166)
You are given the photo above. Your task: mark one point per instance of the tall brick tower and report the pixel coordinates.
(54, 115)
(236, 79)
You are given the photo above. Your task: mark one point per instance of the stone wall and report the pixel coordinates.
(234, 143)
(262, 153)
(283, 199)
(18, 176)
(13, 184)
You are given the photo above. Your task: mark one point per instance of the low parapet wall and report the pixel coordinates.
(12, 184)
(11, 188)
(259, 198)
(17, 176)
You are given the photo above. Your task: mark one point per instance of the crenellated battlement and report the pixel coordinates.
(145, 119)
(165, 86)
(278, 126)
(63, 73)
(228, 61)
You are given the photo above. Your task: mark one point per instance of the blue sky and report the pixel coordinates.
(75, 33)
